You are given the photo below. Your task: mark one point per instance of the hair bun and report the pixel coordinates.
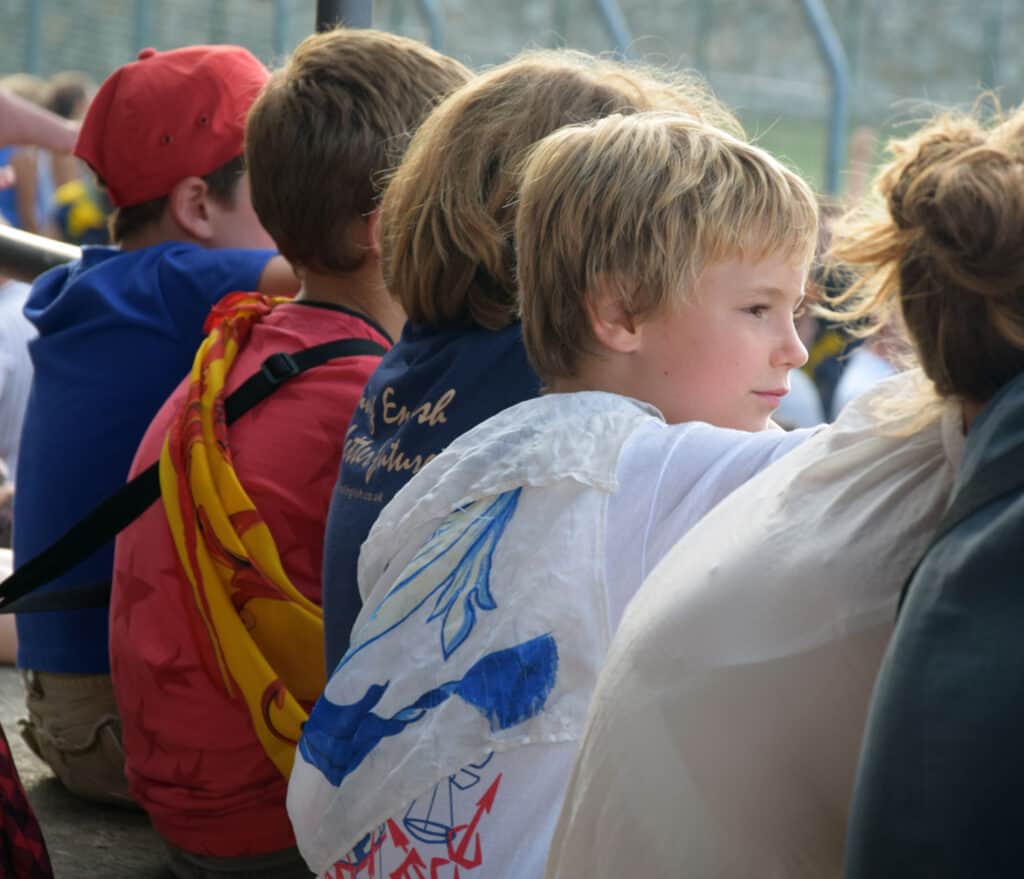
(965, 199)
(917, 159)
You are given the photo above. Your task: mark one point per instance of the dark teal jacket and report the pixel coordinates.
(940, 788)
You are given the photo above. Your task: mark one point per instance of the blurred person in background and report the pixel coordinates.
(16, 331)
(22, 122)
(79, 208)
(26, 203)
(879, 356)
(67, 94)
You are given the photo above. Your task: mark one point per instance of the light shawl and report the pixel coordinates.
(267, 637)
(723, 736)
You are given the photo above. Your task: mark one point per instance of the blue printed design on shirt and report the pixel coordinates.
(507, 687)
(455, 565)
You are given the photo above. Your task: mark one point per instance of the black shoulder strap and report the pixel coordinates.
(999, 477)
(106, 520)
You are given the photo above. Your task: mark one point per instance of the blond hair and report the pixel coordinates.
(325, 129)
(26, 86)
(643, 203)
(449, 212)
(942, 244)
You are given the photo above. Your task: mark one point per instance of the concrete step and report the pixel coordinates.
(84, 839)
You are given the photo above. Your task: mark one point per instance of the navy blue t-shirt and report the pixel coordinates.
(117, 332)
(431, 388)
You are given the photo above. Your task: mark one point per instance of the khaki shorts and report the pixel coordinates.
(73, 726)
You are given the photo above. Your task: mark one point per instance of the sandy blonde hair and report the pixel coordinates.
(942, 244)
(326, 128)
(25, 86)
(449, 212)
(643, 203)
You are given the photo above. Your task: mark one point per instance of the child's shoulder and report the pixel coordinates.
(536, 443)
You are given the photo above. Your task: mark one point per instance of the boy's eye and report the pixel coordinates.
(757, 310)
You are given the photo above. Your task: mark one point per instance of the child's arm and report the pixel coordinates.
(24, 164)
(278, 279)
(23, 122)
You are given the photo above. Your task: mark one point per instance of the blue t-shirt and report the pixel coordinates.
(432, 387)
(45, 188)
(117, 333)
(8, 199)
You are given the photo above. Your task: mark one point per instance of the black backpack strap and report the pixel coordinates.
(112, 515)
(279, 368)
(1001, 476)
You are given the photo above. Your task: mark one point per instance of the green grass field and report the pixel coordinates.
(800, 143)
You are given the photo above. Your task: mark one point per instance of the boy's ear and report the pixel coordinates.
(373, 232)
(612, 325)
(365, 233)
(188, 203)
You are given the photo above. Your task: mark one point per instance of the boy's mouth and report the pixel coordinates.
(774, 395)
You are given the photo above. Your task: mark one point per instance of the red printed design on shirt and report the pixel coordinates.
(422, 844)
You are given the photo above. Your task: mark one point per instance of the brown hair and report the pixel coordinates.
(449, 211)
(944, 245)
(127, 221)
(68, 91)
(325, 128)
(644, 203)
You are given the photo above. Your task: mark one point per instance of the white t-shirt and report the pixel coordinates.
(723, 735)
(567, 560)
(670, 476)
(15, 368)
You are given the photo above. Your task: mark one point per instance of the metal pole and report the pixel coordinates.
(218, 22)
(143, 23)
(24, 256)
(280, 27)
(351, 13)
(616, 25)
(434, 17)
(560, 23)
(832, 53)
(705, 23)
(992, 25)
(853, 36)
(34, 50)
(396, 15)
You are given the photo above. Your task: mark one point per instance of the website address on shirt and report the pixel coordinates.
(375, 497)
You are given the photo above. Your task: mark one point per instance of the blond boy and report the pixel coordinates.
(660, 263)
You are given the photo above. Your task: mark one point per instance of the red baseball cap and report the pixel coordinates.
(168, 116)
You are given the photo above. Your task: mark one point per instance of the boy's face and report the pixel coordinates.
(236, 225)
(724, 357)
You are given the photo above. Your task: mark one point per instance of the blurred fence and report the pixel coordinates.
(760, 55)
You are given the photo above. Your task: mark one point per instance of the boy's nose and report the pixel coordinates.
(791, 351)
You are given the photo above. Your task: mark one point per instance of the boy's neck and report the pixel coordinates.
(362, 291)
(158, 232)
(609, 373)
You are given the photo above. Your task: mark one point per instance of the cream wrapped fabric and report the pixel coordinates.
(445, 737)
(722, 739)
